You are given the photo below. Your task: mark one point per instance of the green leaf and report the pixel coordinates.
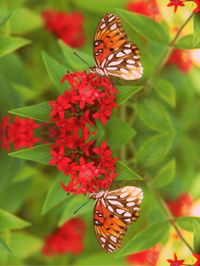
(187, 222)
(24, 245)
(9, 221)
(116, 130)
(18, 21)
(39, 154)
(196, 226)
(126, 173)
(72, 61)
(55, 194)
(187, 42)
(145, 239)
(72, 204)
(40, 112)
(154, 150)
(126, 92)
(10, 44)
(56, 71)
(154, 115)
(5, 246)
(99, 7)
(145, 26)
(166, 91)
(4, 19)
(165, 175)
(196, 35)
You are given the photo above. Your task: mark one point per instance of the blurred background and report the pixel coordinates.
(158, 136)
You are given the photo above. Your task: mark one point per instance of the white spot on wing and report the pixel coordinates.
(111, 18)
(110, 57)
(115, 63)
(120, 54)
(130, 204)
(120, 211)
(103, 63)
(115, 202)
(113, 27)
(110, 208)
(128, 220)
(112, 197)
(113, 238)
(103, 201)
(111, 68)
(123, 70)
(127, 214)
(98, 195)
(129, 61)
(102, 239)
(102, 26)
(127, 45)
(123, 195)
(127, 51)
(111, 247)
(130, 199)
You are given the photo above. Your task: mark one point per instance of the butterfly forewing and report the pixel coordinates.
(113, 53)
(113, 211)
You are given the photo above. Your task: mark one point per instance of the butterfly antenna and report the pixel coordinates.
(81, 206)
(77, 55)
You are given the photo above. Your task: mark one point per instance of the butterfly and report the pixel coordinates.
(113, 212)
(114, 54)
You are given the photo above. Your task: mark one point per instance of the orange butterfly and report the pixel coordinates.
(114, 54)
(113, 212)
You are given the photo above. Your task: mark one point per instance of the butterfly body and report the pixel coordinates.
(113, 212)
(114, 54)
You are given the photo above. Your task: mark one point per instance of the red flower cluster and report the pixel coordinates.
(147, 257)
(178, 3)
(20, 133)
(176, 261)
(148, 8)
(67, 27)
(181, 59)
(90, 168)
(197, 256)
(66, 239)
(181, 206)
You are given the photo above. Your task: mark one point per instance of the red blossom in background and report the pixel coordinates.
(20, 133)
(181, 59)
(175, 262)
(181, 3)
(197, 256)
(148, 8)
(90, 97)
(66, 26)
(66, 239)
(147, 257)
(181, 206)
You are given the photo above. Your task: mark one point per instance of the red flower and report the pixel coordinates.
(175, 262)
(181, 206)
(20, 133)
(147, 257)
(197, 256)
(175, 4)
(89, 97)
(181, 59)
(197, 9)
(66, 26)
(148, 8)
(66, 239)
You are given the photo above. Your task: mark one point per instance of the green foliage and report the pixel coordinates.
(196, 229)
(4, 19)
(10, 44)
(40, 111)
(196, 36)
(126, 173)
(165, 175)
(187, 223)
(187, 42)
(39, 154)
(9, 221)
(126, 92)
(145, 239)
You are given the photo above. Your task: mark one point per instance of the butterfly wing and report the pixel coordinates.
(113, 214)
(113, 52)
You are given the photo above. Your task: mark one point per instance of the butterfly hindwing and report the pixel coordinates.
(113, 213)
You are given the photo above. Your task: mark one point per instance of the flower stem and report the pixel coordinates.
(169, 215)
